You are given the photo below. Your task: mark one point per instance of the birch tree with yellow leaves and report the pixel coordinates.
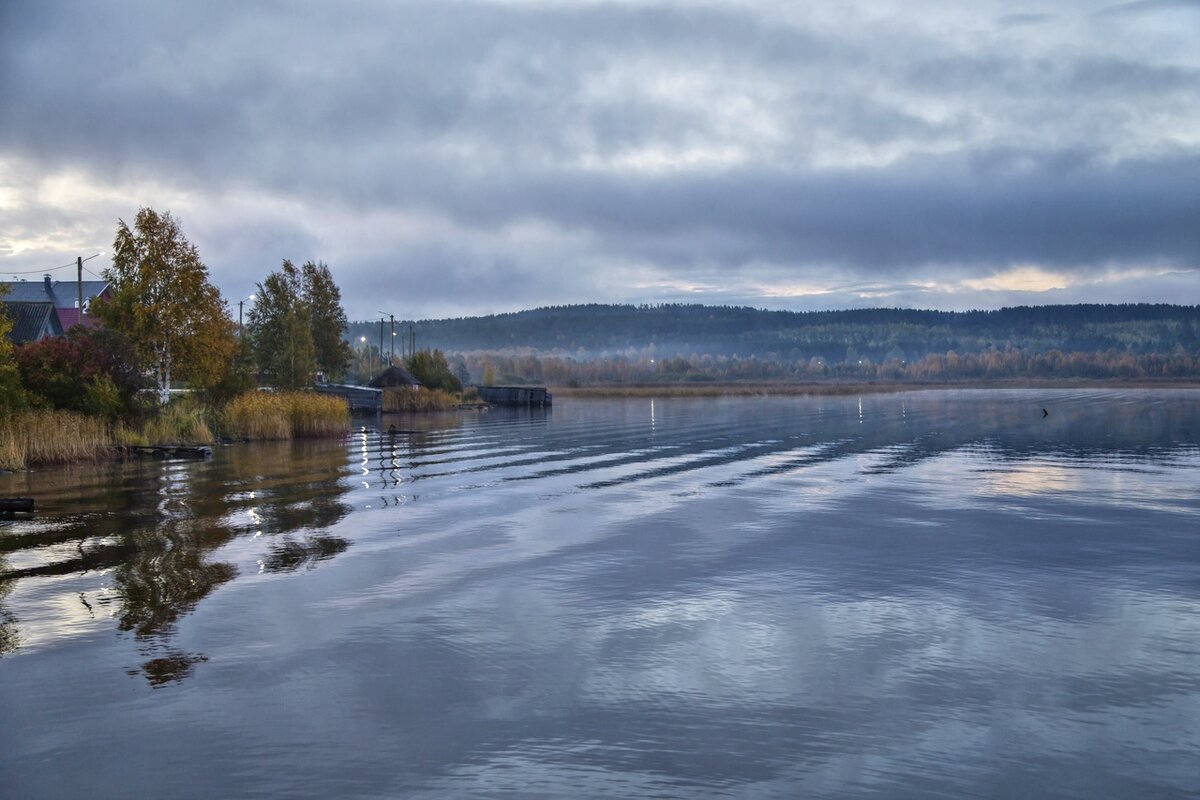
(163, 301)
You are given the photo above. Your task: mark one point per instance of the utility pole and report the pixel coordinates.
(392, 317)
(381, 344)
(79, 280)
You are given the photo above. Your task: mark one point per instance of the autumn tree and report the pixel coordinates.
(12, 394)
(327, 319)
(240, 376)
(433, 371)
(163, 302)
(279, 327)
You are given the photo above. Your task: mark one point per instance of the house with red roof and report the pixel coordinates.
(47, 308)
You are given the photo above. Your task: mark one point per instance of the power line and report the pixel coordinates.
(36, 271)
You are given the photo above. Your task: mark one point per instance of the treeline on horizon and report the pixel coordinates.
(727, 342)
(948, 367)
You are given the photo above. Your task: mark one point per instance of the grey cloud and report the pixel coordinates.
(179, 88)
(1073, 81)
(1054, 211)
(877, 152)
(1147, 6)
(444, 280)
(1023, 19)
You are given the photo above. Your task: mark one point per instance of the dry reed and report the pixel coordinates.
(664, 390)
(179, 423)
(51, 437)
(406, 400)
(285, 415)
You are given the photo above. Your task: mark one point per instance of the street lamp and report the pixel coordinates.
(79, 281)
(392, 358)
(251, 298)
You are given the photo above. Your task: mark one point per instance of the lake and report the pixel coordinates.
(928, 594)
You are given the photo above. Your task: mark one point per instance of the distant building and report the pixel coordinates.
(358, 398)
(47, 308)
(394, 378)
(515, 395)
(32, 322)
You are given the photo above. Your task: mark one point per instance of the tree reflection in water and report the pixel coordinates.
(159, 525)
(9, 639)
(291, 555)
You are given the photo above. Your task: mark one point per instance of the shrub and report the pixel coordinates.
(102, 398)
(92, 370)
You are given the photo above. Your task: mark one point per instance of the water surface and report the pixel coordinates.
(910, 595)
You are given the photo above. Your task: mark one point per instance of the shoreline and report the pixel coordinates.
(829, 388)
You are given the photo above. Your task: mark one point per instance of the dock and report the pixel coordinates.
(515, 395)
(358, 398)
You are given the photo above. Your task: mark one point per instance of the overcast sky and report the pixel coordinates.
(453, 158)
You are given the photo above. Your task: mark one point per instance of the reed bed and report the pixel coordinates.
(405, 400)
(52, 437)
(662, 390)
(285, 415)
(848, 387)
(316, 416)
(178, 423)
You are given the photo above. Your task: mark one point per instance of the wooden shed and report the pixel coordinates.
(395, 378)
(515, 395)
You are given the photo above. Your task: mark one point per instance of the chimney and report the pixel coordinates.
(49, 286)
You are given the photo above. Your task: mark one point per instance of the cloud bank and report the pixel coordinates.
(454, 158)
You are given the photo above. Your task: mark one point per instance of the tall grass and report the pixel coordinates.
(51, 437)
(285, 415)
(182, 422)
(315, 415)
(34, 437)
(420, 399)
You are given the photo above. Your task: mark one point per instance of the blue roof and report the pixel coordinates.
(62, 294)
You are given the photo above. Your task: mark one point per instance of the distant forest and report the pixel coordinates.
(697, 342)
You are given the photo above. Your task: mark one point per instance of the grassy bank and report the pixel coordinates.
(52, 437)
(34, 437)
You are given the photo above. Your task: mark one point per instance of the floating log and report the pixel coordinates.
(166, 451)
(23, 505)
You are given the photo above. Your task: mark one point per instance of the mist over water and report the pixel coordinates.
(903, 595)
